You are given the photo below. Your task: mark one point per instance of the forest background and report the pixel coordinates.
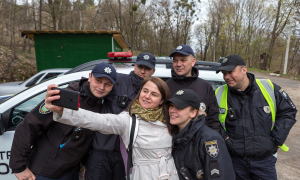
(255, 29)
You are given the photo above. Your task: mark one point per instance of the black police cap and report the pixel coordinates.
(185, 98)
(231, 62)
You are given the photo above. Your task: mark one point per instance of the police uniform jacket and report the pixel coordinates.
(203, 90)
(38, 130)
(127, 86)
(202, 151)
(250, 133)
(124, 91)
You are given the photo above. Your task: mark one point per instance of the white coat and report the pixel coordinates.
(151, 154)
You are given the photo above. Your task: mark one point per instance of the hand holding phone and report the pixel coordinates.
(68, 99)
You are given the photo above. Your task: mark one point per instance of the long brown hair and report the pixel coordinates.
(163, 89)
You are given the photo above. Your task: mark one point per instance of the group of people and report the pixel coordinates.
(178, 129)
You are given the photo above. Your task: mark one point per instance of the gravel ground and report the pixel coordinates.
(288, 163)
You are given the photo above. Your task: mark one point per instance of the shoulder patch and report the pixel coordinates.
(202, 106)
(200, 174)
(212, 148)
(283, 93)
(43, 109)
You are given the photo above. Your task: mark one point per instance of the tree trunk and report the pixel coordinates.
(34, 15)
(120, 15)
(24, 44)
(80, 20)
(273, 37)
(29, 49)
(41, 5)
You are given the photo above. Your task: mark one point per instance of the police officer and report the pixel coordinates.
(185, 76)
(256, 116)
(43, 149)
(128, 85)
(108, 148)
(198, 151)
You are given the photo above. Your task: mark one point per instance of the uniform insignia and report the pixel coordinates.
(107, 70)
(202, 106)
(146, 57)
(180, 92)
(222, 110)
(291, 103)
(200, 174)
(224, 60)
(283, 93)
(214, 171)
(43, 109)
(212, 148)
(267, 109)
(179, 48)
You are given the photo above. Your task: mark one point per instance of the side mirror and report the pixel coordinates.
(2, 129)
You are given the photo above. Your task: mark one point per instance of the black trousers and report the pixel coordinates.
(104, 165)
(255, 169)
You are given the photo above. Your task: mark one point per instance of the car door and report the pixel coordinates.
(10, 119)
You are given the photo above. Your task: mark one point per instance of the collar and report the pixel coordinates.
(183, 137)
(135, 80)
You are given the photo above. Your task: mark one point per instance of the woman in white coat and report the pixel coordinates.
(152, 154)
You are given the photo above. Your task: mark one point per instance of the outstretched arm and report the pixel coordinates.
(104, 123)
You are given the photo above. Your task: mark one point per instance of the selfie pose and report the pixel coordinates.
(53, 150)
(198, 151)
(151, 153)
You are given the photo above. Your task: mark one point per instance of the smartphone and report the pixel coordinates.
(68, 99)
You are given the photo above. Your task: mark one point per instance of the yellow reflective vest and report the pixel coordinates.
(267, 89)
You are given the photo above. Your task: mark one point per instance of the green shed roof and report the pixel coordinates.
(118, 36)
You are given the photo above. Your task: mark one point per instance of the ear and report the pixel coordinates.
(90, 77)
(153, 72)
(244, 69)
(193, 113)
(193, 60)
(135, 68)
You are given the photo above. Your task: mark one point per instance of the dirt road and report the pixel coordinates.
(288, 163)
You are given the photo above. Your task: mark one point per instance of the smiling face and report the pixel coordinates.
(143, 71)
(100, 86)
(181, 117)
(150, 96)
(237, 78)
(183, 64)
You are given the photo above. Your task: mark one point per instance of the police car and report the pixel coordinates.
(16, 87)
(14, 109)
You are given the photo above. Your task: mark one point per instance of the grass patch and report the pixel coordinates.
(258, 70)
(289, 76)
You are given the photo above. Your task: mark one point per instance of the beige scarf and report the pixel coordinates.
(148, 114)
